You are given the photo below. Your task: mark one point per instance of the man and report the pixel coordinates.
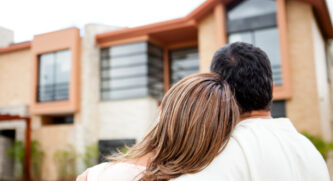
(261, 148)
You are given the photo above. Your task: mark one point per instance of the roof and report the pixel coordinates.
(323, 16)
(320, 10)
(15, 47)
(190, 20)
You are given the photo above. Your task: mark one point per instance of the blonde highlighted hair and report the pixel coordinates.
(197, 116)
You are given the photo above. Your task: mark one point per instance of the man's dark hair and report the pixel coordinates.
(248, 71)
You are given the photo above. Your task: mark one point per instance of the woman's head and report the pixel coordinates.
(196, 118)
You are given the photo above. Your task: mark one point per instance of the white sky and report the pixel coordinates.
(30, 17)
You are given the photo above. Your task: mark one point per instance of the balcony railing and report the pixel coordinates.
(53, 92)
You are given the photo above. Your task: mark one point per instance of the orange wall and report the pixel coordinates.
(50, 42)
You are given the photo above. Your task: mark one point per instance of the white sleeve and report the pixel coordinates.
(230, 165)
(95, 172)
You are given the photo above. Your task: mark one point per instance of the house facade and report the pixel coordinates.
(105, 86)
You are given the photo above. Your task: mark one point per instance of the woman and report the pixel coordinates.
(197, 116)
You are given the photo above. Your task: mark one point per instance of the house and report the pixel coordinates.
(105, 86)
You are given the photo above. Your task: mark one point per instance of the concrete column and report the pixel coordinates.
(6, 37)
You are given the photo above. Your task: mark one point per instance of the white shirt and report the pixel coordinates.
(114, 172)
(265, 150)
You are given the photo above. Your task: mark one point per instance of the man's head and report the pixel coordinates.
(248, 71)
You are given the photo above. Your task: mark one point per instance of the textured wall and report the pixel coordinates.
(90, 79)
(207, 41)
(6, 37)
(303, 107)
(322, 81)
(52, 138)
(129, 118)
(112, 119)
(15, 78)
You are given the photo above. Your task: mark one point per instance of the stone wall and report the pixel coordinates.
(127, 119)
(303, 107)
(6, 37)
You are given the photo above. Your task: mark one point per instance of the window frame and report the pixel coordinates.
(147, 86)
(54, 84)
(170, 60)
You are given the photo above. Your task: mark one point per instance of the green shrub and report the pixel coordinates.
(322, 146)
(37, 156)
(17, 153)
(90, 155)
(65, 161)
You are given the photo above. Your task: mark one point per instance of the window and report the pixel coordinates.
(131, 70)
(109, 147)
(278, 109)
(254, 21)
(54, 76)
(57, 120)
(183, 62)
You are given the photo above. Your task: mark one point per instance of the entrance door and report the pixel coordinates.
(7, 138)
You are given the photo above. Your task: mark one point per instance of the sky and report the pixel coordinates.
(31, 17)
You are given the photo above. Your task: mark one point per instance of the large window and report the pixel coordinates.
(131, 70)
(57, 120)
(254, 21)
(183, 62)
(54, 76)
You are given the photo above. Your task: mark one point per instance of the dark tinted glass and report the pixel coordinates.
(278, 109)
(55, 120)
(254, 21)
(252, 8)
(131, 70)
(183, 62)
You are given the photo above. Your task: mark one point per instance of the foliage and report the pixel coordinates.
(322, 146)
(37, 156)
(90, 155)
(124, 149)
(16, 154)
(65, 161)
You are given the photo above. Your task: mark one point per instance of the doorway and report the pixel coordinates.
(7, 138)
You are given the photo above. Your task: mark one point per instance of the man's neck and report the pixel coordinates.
(263, 114)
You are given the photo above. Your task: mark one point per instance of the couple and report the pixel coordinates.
(218, 126)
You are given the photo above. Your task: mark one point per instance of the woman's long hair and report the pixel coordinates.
(197, 116)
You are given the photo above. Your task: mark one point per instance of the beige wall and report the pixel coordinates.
(208, 44)
(15, 78)
(131, 118)
(303, 107)
(51, 139)
(322, 81)
(330, 74)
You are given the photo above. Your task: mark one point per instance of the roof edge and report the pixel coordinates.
(192, 18)
(15, 47)
(322, 15)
